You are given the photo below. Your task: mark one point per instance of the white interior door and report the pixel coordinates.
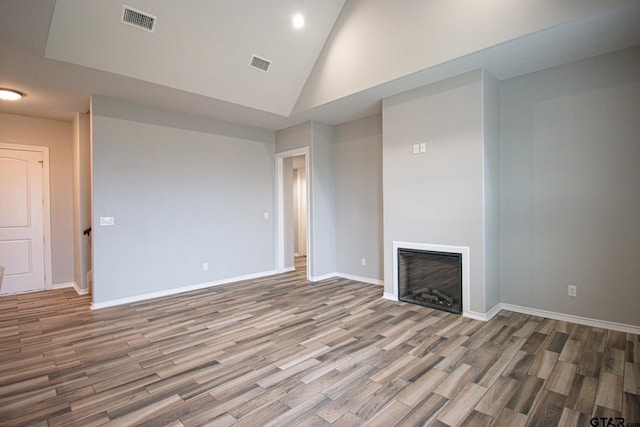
(21, 220)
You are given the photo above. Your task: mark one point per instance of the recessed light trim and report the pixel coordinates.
(10, 94)
(298, 21)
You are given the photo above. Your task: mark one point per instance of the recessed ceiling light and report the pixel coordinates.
(298, 20)
(10, 94)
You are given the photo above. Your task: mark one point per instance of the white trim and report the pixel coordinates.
(288, 269)
(323, 277)
(168, 292)
(73, 285)
(46, 211)
(280, 268)
(466, 271)
(605, 324)
(483, 316)
(360, 279)
(79, 290)
(63, 285)
(493, 312)
(475, 315)
(390, 296)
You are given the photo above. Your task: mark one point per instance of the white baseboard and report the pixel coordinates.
(136, 298)
(495, 310)
(483, 316)
(389, 296)
(360, 279)
(346, 276)
(73, 285)
(63, 285)
(323, 277)
(288, 269)
(79, 290)
(475, 315)
(605, 324)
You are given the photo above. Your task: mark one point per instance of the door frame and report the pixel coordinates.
(46, 205)
(280, 204)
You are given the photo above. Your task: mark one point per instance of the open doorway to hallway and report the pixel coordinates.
(293, 211)
(299, 212)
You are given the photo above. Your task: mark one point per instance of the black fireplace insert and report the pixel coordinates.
(431, 279)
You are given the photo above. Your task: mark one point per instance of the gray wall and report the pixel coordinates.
(491, 141)
(320, 138)
(358, 175)
(436, 197)
(81, 198)
(376, 42)
(323, 234)
(56, 135)
(570, 188)
(293, 137)
(183, 191)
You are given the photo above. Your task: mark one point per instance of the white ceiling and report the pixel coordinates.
(196, 61)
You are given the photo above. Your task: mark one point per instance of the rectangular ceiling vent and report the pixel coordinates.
(260, 63)
(137, 18)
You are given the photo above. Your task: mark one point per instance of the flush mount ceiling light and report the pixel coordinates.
(10, 94)
(298, 21)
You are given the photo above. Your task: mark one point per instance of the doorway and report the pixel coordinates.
(294, 229)
(299, 207)
(25, 251)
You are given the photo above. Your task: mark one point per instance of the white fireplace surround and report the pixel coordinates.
(462, 250)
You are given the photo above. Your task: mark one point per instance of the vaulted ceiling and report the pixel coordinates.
(348, 56)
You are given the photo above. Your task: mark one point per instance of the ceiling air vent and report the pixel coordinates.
(137, 18)
(260, 63)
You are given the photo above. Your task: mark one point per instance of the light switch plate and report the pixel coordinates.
(107, 220)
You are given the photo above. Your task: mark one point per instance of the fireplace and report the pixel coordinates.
(430, 278)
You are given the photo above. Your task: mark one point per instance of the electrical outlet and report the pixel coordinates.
(416, 148)
(205, 266)
(572, 290)
(423, 147)
(364, 261)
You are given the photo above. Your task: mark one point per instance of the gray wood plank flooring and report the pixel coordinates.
(282, 351)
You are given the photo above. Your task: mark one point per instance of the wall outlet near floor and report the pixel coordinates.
(572, 290)
(205, 266)
(364, 261)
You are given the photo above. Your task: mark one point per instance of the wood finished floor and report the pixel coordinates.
(281, 351)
